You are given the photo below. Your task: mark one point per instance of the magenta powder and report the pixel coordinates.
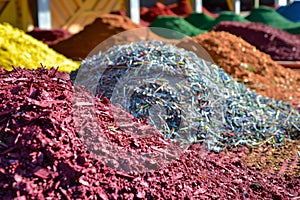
(280, 45)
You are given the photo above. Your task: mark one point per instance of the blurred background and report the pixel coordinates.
(73, 15)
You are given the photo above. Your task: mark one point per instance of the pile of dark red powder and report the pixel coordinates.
(279, 44)
(42, 157)
(49, 36)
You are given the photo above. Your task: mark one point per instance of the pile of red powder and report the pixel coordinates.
(150, 14)
(41, 155)
(49, 36)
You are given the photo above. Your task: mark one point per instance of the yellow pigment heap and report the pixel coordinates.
(21, 50)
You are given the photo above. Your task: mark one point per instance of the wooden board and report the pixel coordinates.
(3, 4)
(73, 15)
(15, 12)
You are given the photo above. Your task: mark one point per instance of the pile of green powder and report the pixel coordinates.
(199, 19)
(263, 14)
(177, 24)
(205, 22)
(269, 16)
(21, 50)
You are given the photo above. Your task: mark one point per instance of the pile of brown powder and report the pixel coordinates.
(254, 68)
(79, 45)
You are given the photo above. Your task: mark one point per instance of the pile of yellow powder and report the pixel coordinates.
(21, 50)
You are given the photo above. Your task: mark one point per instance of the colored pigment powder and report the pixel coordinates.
(291, 11)
(159, 9)
(182, 8)
(279, 44)
(177, 24)
(22, 50)
(79, 45)
(248, 65)
(49, 36)
(199, 19)
(269, 16)
(203, 21)
(223, 16)
(41, 157)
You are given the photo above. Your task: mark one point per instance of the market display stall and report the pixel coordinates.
(185, 105)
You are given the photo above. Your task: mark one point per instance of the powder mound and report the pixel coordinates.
(182, 8)
(199, 19)
(223, 16)
(177, 24)
(79, 45)
(42, 157)
(269, 16)
(279, 44)
(247, 64)
(22, 50)
(158, 9)
(49, 36)
(291, 11)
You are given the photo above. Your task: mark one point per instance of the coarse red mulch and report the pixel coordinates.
(42, 157)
